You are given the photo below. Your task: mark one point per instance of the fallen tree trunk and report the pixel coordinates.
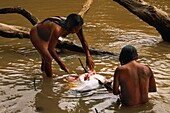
(12, 31)
(149, 14)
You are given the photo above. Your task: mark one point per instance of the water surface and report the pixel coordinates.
(108, 26)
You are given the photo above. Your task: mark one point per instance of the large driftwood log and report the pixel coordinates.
(149, 14)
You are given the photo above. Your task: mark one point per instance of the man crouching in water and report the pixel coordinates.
(135, 79)
(44, 37)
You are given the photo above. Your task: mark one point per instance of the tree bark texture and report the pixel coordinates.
(149, 14)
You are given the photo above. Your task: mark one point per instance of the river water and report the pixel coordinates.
(108, 26)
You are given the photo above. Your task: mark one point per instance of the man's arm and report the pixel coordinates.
(89, 60)
(52, 44)
(152, 83)
(116, 82)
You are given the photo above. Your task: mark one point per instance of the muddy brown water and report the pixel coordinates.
(108, 26)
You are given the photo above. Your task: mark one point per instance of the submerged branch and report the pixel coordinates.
(67, 44)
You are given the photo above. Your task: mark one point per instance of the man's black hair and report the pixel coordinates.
(73, 20)
(127, 54)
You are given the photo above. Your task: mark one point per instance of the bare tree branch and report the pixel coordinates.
(85, 7)
(21, 11)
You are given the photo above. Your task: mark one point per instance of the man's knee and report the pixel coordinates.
(47, 63)
(48, 60)
(46, 57)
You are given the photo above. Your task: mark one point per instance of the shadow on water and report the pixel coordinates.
(46, 100)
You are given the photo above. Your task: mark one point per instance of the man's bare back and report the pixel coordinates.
(135, 81)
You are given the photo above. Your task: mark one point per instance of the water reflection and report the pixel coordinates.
(53, 95)
(46, 99)
(15, 89)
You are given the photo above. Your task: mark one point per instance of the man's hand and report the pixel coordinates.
(64, 67)
(90, 73)
(90, 63)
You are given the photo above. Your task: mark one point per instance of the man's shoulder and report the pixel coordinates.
(121, 68)
(146, 69)
(144, 66)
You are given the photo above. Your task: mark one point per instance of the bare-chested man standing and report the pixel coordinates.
(44, 37)
(132, 80)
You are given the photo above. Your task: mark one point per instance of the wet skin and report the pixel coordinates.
(135, 80)
(45, 44)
